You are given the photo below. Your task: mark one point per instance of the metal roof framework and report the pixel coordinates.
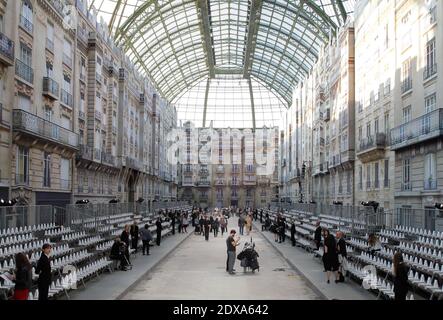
(178, 43)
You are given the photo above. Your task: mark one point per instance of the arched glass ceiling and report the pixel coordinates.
(177, 43)
(229, 103)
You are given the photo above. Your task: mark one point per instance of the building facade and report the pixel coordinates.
(232, 167)
(77, 120)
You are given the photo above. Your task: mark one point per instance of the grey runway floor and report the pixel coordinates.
(196, 270)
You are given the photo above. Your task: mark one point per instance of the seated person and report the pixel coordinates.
(267, 224)
(374, 243)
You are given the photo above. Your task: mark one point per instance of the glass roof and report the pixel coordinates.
(229, 104)
(180, 43)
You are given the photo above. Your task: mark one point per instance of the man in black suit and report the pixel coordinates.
(44, 271)
(159, 230)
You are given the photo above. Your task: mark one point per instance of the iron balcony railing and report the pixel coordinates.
(50, 87)
(430, 184)
(98, 115)
(429, 71)
(6, 49)
(82, 35)
(24, 121)
(24, 71)
(386, 183)
(86, 152)
(374, 141)
(66, 98)
(98, 77)
(406, 85)
(418, 130)
(406, 186)
(26, 24)
(81, 115)
(67, 60)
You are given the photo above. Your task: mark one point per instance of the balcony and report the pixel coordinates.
(386, 183)
(142, 98)
(334, 161)
(220, 169)
(66, 99)
(234, 197)
(406, 186)
(204, 197)
(27, 123)
(81, 115)
(85, 152)
(22, 179)
(327, 115)
(429, 71)
(347, 156)
(98, 115)
(67, 60)
(82, 35)
(220, 182)
(406, 85)
(26, 25)
(372, 148)
(6, 50)
(426, 127)
(203, 172)
(98, 78)
(133, 163)
(50, 88)
(203, 183)
(108, 159)
(187, 183)
(24, 71)
(263, 181)
(250, 181)
(114, 129)
(235, 169)
(430, 184)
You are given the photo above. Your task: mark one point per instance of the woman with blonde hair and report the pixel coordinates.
(248, 221)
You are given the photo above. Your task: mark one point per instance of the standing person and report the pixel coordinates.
(241, 224)
(248, 223)
(400, 277)
(261, 215)
(330, 256)
(215, 227)
(317, 235)
(159, 226)
(134, 236)
(124, 237)
(146, 236)
(185, 223)
(44, 272)
(222, 224)
(293, 233)
(173, 221)
(22, 277)
(180, 222)
(342, 255)
(201, 222)
(282, 229)
(231, 244)
(207, 228)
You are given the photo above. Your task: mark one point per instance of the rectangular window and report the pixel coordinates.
(22, 166)
(406, 181)
(376, 180)
(376, 126)
(368, 130)
(65, 173)
(348, 182)
(46, 169)
(360, 178)
(430, 54)
(368, 177)
(386, 179)
(430, 178)
(430, 103)
(407, 114)
(1, 24)
(386, 123)
(25, 54)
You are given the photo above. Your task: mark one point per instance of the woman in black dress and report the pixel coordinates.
(400, 277)
(330, 256)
